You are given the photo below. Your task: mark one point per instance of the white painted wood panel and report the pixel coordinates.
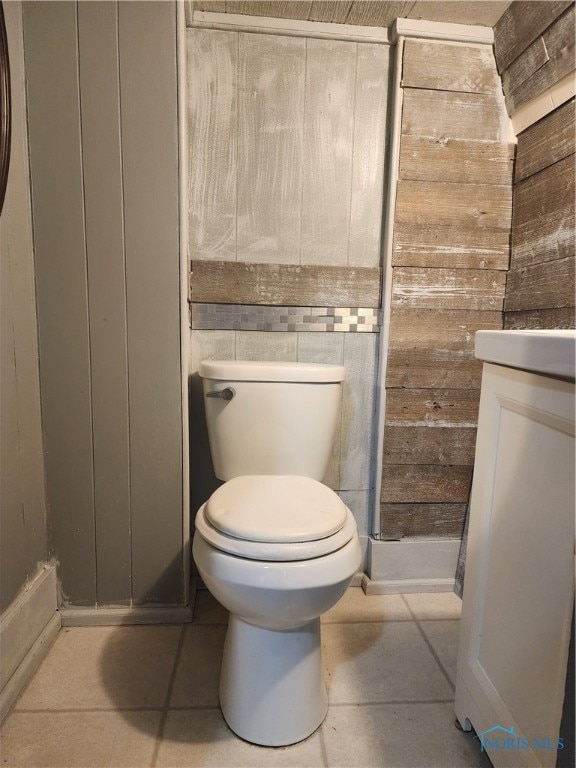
(212, 72)
(261, 345)
(326, 348)
(370, 141)
(328, 140)
(358, 410)
(271, 73)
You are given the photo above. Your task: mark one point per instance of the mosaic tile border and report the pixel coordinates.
(253, 317)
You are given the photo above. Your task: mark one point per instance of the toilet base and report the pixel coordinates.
(272, 689)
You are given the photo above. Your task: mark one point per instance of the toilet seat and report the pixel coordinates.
(279, 509)
(239, 518)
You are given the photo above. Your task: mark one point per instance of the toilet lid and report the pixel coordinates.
(276, 509)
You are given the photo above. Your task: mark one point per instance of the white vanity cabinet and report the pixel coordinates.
(519, 580)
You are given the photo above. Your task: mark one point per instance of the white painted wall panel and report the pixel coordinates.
(212, 138)
(270, 124)
(328, 140)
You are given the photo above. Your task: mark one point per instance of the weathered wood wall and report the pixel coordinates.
(534, 45)
(450, 256)
(287, 142)
(534, 48)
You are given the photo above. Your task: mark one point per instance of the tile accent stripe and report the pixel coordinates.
(252, 317)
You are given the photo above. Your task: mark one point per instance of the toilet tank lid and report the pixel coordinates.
(270, 370)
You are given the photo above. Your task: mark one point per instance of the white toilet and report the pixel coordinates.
(273, 545)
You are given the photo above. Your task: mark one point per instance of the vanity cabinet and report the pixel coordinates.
(519, 581)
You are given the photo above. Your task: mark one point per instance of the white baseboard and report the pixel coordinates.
(102, 617)
(411, 566)
(27, 630)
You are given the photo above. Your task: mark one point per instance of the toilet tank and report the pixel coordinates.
(280, 420)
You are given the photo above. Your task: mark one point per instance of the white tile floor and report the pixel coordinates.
(148, 696)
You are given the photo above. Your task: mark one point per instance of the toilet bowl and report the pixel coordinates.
(274, 545)
(272, 690)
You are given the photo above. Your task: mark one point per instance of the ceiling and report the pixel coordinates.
(375, 13)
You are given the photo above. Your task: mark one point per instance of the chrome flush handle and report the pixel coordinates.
(225, 394)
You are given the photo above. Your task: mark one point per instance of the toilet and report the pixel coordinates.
(274, 545)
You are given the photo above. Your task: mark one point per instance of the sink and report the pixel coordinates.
(549, 352)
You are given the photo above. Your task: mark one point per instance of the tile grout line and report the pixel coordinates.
(429, 644)
(165, 708)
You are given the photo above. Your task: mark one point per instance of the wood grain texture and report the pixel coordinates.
(270, 119)
(521, 24)
(434, 349)
(102, 168)
(328, 148)
(399, 521)
(449, 204)
(442, 114)
(212, 126)
(325, 348)
(224, 282)
(335, 11)
(560, 47)
(456, 160)
(432, 407)
(444, 67)
(448, 288)
(485, 12)
(543, 221)
(429, 445)
(547, 141)
(375, 13)
(416, 367)
(360, 356)
(428, 245)
(540, 319)
(423, 483)
(548, 285)
(529, 61)
(369, 150)
(439, 329)
(455, 247)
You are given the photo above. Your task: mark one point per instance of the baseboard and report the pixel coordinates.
(27, 630)
(411, 566)
(104, 617)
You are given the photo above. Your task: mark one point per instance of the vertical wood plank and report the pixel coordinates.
(260, 345)
(211, 97)
(326, 348)
(328, 139)
(99, 85)
(150, 165)
(50, 31)
(271, 73)
(358, 411)
(370, 142)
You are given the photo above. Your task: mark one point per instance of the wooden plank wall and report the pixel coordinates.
(379, 13)
(534, 46)
(450, 256)
(287, 142)
(104, 169)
